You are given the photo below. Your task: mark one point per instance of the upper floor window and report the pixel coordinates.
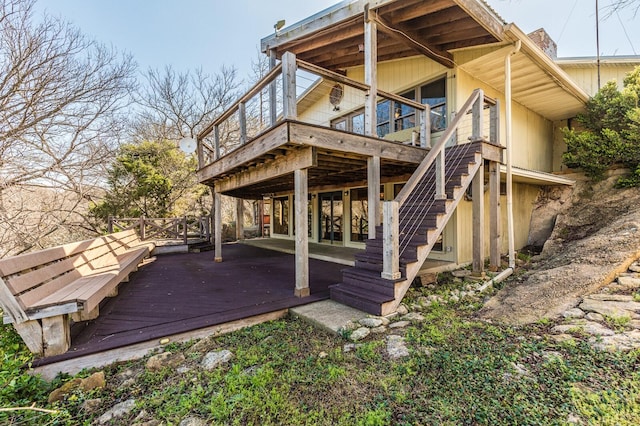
(395, 116)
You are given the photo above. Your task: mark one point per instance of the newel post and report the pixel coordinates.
(441, 193)
(289, 68)
(494, 123)
(477, 115)
(242, 117)
(390, 241)
(425, 127)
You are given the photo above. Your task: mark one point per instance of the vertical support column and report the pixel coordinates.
(242, 117)
(373, 194)
(495, 219)
(289, 68)
(217, 226)
(477, 193)
(216, 142)
(425, 127)
(440, 176)
(273, 91)
(494, 120)
(239, 218)
(477, 117)
(301, 195)
(390, 241)
(370, 74)
(200, 153)
(55, 335)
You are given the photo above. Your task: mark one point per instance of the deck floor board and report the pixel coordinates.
(183, 292)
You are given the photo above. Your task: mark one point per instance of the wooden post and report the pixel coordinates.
(55, 335)
(143, 233)
(216, 142)
(200, 153)
(373, 194)
(425, 127)
(31, 333)
(289, 68)
(440, 176)
(495, 219)
(370, 75)
(477, 115)
(184, 229)
(390, 241)
(477, 193)
(494, 123)
(301, 195)
(273, 90)
(242, 117)
(239, 219)
(217, 225)
(110, 225)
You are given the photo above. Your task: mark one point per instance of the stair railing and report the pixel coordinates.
(391, 209)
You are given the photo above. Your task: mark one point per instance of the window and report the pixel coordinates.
(395, 116)
(281, 215)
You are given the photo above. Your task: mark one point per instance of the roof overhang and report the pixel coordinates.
(333, 38)
(537, 82)
(535, 177)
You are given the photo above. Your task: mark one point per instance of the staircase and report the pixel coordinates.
(425, 205)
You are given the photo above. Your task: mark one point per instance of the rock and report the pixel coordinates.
(183, 369)
(454, 298)
(399, 324)
(402, 310)
(94, 381)
(215, 359)
(149, 423)
(552, 356)
(385, 320)
(117, 411)
(589, 327)
(396, 347)
(349, 347)
(573, 313)
(371, 322)
(428, 278)
(412, 316)
(611, 297)
(323, 354)
(201, 346)
(520, 369)
(461, 273)
(91, 405)
(635, 324)
(635, 267)
(64, 390)
(164, 360)
(128, 383)
(193, 421)
(561, 338)
(350, 326)
(592, 316)
(573, 419)
(359, 334)
(618, 342)
(629, 282)
(379, 330)
(608, 308)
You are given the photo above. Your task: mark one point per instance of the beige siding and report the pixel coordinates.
(587, 77)
(524, 196)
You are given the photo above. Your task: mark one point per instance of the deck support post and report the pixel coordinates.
(289, 68)
(55, 335)
(239, 219)
(301, 195)
(217, 226)
(273, 91)
(373, 194)
(370, 74)
(495, 219)
(477, 193)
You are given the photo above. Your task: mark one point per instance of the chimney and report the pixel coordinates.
(542, 39)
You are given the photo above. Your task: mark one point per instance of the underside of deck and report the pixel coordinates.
(177, 293)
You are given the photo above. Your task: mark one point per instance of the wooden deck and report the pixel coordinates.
(177, 293)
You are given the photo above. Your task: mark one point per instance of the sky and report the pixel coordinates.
(189, 34)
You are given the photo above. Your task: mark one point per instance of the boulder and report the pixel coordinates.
(359, 334)
(119, 410)
(371, 322)
(165, 360)
(215, 359)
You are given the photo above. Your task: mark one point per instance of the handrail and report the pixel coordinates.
(254, 90)
(435, 151)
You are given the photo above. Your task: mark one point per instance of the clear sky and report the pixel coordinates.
(187, 34)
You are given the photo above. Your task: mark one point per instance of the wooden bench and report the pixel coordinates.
(40, 291)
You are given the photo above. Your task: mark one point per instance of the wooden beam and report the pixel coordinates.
(495, 219)
(477, 193)
(422, 9)
(283, 165)
(31, 333)
(410, 39)
(391, 246)
(300, 201)
(373, 194)
(217, 225)
(483, 16)
(10, 305)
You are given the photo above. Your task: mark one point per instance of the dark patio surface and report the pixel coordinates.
(177, 293)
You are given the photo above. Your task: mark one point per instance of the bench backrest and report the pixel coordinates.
(30, 277)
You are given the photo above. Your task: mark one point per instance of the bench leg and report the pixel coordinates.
(86, 316)
(56, 335)
(114, 292)
(31, 333)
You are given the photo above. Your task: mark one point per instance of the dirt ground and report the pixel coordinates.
(596, 235)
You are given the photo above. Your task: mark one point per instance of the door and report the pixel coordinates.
(331, 215)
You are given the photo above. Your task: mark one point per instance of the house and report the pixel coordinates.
(410, 129)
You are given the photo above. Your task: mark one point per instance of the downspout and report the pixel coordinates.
(507, 95)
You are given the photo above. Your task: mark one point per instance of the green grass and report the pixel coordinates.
(460, 371)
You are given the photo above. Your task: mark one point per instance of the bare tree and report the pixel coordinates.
(61, 96)
(619, 5)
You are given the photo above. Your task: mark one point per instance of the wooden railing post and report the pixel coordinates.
(289, 68)
(494, 123)
(273, 90)
(200, 153)
(390, 241)
(143, 234)
(477, 115)
(110, 225)
(216, 142)
(425, 127)
(242, 117)
(440, 176)
(184, 228)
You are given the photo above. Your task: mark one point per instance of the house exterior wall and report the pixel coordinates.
(587, 76)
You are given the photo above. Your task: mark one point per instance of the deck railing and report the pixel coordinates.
(176, 228)
(284, 89)
(470, 122)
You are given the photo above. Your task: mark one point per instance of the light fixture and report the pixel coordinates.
(278, 25)
(188, 145)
